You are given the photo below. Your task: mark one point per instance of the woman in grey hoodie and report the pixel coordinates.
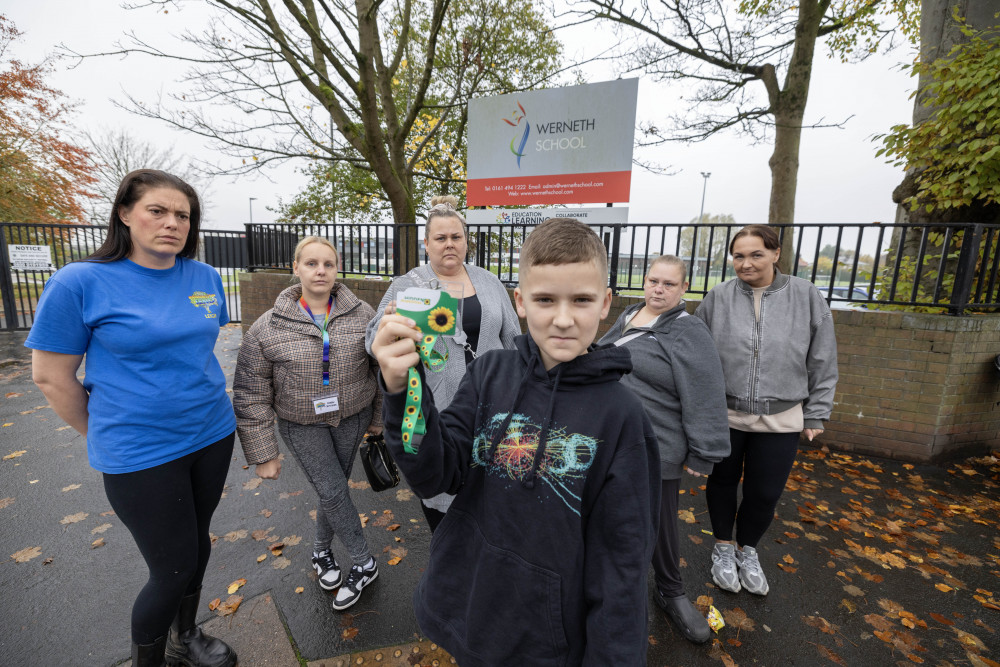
(677, 375)
(774, 334)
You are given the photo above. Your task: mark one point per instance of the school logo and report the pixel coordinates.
(206, 301)
(522, 142)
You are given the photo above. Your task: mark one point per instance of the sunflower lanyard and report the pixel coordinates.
(434, 312)
(413, 416)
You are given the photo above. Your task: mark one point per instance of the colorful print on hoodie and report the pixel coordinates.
(542, 558)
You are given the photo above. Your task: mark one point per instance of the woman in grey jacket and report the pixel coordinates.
(774, 334)
(677, 375)
(488, 320)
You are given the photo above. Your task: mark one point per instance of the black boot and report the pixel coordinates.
(148, 655)
(187, 645)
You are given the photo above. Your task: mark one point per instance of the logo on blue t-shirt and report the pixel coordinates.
(204, 300)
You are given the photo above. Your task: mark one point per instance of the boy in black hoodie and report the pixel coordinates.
(543, 557)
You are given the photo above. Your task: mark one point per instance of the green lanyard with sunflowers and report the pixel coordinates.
(434, 312)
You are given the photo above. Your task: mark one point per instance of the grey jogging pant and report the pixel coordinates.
(326, 454)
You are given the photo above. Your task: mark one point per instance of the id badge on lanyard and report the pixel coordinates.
(330, 400)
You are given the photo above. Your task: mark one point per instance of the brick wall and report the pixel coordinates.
(912, 386)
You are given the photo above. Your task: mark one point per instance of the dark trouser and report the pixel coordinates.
(667, 553)
(168, 509)
(327, 454)
(764, 461)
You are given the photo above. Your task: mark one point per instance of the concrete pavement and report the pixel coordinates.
(870, 562)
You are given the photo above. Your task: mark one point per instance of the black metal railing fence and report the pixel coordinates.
(949, 267)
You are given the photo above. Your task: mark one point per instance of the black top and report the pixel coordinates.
(472, 316)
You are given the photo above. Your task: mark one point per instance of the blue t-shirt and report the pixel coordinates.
(157, 391)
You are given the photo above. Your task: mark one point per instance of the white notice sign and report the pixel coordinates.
(30, 257)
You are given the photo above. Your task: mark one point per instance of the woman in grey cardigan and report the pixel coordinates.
(677, 375)
(488, 320)
(774, 334)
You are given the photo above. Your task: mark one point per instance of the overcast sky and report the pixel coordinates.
(840, 178)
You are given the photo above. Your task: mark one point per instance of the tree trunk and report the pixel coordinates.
(789, 106)
(939, 33)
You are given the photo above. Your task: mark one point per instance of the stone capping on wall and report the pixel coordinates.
(914, 387)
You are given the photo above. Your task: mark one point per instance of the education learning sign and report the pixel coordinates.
(568, 145)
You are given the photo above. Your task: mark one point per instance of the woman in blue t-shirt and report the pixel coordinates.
(153, 403)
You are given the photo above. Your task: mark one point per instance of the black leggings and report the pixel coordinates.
(167, 509)
(764, 461)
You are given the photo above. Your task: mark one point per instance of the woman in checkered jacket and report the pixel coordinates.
(304, 362)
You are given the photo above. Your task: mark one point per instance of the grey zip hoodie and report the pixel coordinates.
(789, 356)
(677, 375)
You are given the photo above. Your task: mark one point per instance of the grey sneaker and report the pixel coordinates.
(326, 567)
(750, 573)
(724, 567)
(357, 578)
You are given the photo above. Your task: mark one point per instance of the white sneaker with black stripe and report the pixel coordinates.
(326, 567)
(357, 579)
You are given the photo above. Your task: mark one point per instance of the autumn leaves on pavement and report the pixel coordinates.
(883, 567)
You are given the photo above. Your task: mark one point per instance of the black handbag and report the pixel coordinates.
(377, 461)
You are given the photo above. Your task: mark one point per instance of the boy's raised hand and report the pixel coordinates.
(395, 348)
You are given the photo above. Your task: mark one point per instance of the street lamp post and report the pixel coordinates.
(705, 175)
(253, 198)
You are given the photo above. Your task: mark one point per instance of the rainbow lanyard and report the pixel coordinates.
(413, 416)
(326, 337)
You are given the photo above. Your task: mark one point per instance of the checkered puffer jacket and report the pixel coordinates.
(279, 370)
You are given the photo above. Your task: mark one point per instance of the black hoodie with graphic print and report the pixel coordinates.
(542, 558)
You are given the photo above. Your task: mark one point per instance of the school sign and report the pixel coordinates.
(560, 146)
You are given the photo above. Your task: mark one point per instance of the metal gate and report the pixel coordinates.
(20, 289)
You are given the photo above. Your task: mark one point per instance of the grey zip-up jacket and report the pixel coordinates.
(677, 375)
(789, 356)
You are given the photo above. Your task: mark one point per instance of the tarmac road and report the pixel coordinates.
(882, 563)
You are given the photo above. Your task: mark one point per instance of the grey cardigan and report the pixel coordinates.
(497, 329)
(789, 356)
(677, 375)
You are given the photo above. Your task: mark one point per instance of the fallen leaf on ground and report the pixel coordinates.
(291, 540)
(820, 624)
(299, 589)
(71, 487)
(851, 589)
(236, 585)
(96, 544)
(394, 560)
(230, 606)
(286, 496)
(6, 502)
(214, 604)
(266, 513)
(404, 494)
(738, 618)
(364, 519)
(830, 655)
(384, 519)
(14, 455)
(391, 527)
(73, 518)
(944, 588)
(260, 534)
(280, 563)
(252, 484)
(261, 558)
(687, 516)
(349, 633)
(24, 555)
(13, 394)
(235, 535)
(358, 485)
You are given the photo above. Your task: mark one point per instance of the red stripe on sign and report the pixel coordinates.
(607, 186)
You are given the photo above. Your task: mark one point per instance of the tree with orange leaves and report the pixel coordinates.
(43, 177)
